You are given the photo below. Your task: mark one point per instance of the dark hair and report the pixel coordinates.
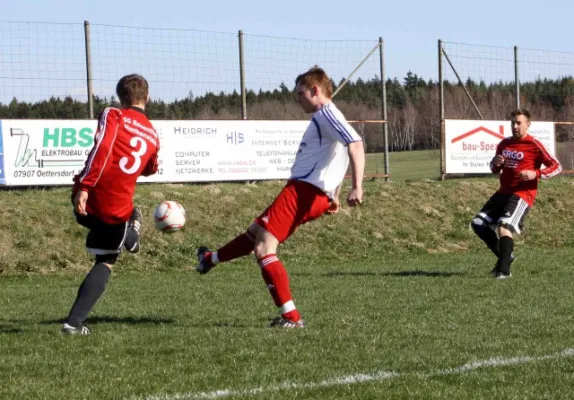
(132, 89)
(316, 76)
(520, 111)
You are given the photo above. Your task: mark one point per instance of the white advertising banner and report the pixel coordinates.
(51, 152)
(470, 145)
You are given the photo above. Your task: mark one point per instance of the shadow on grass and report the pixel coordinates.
(432, 274)
(6, 330)
(117, 320)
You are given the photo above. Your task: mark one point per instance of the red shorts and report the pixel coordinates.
(299, 202)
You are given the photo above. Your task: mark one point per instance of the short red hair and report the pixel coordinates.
(316, 76)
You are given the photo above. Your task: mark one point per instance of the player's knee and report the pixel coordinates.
(478, 225)
(260, 250)
(264, 246)
(108, 259)
(505, 229)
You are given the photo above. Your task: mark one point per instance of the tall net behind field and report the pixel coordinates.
(178, 63)
(547, 82)
(271, 61)
(489, 73)
(372, 134)
(272, 64)
(39, 60)
(478, 67)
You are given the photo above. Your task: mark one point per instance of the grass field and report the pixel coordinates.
(428, 326)
(406, 165)
(396, 296)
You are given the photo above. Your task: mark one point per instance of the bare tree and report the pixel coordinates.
(402, 127)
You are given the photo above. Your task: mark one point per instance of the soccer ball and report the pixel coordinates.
(169, 216)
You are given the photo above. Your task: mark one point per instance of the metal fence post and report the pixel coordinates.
(441, 110)
(384, 105)
(516, 78)
(89, 69)
(242, 77)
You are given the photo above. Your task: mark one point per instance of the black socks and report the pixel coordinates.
(90, 291)
(505, 258)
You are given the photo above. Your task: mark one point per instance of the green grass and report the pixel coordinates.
(176, 332)
(39, 234)
(406, 165)
(399, 285)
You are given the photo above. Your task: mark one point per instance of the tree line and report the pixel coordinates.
(412, 103)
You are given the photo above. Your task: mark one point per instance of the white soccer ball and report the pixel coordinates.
(169, 216)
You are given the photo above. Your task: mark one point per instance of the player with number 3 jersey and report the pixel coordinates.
(125, 147)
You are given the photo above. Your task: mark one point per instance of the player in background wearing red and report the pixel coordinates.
(313, 190)
(518, 161)
(125, 147)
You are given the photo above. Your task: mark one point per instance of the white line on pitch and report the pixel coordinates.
(359, 378)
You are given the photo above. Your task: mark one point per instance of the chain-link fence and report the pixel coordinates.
(81, 62)
(487, 82)
(41, 60)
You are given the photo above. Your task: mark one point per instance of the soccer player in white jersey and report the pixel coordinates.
(328, 144)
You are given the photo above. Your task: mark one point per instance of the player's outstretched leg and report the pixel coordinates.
(132, 242)
(90, 291)
(240, 246)
(204, 258)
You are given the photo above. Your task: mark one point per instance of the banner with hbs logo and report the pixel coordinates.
(51, 152)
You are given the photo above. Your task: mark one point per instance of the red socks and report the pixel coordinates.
(273, 271)
(241, 246)
(275, 276)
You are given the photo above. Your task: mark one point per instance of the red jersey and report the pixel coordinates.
(520, 155)
(125, 147)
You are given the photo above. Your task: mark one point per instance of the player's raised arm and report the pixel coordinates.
(100, 154)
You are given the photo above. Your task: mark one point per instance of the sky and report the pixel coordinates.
(410, 29)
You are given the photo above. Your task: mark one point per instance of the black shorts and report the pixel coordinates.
(507, 210)
(104, 240)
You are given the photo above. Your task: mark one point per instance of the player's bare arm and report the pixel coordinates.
(356, 152)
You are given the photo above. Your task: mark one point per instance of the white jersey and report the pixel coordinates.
(322, 158)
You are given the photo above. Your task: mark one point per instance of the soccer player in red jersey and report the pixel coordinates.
(313, 190)
(125, 147)
(518, 161)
